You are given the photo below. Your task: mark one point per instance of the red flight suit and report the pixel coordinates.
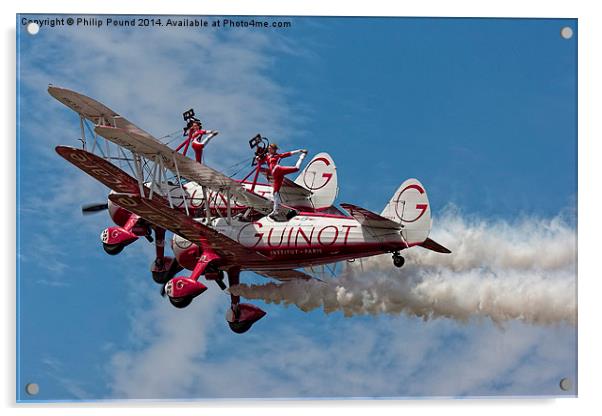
(197, 145)
(276, 170)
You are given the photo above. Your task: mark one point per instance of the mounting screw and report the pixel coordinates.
(32, 389)
(32, 28)
(566, 32)
(565, 384)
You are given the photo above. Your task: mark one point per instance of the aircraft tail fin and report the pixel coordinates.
(320, 177)
(410, 207)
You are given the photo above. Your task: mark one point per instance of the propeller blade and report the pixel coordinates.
(92, 208)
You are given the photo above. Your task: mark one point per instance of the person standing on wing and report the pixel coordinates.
(278, 172)
(195, 134)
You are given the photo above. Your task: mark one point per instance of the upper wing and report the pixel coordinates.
(284, 275)
(369, 218)
(157, 211)
(184, 166)
(122, 132)
(92, 110)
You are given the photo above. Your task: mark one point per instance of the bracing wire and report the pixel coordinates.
(86, 123)
(173, 135)
(240, 165)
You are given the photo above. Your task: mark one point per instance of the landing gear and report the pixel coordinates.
(213, 273)
(240, 316)
(163, 269)
(181, 303)
(182, 290)
(240, 327)
(113, 249)
(157, 270)
(398, 260)
(221, 284)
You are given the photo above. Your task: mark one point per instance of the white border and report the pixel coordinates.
(590, 73)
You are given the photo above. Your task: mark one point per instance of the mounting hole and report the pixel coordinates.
(565, 384)
(32, 389)
(567, 33)
(33, 28)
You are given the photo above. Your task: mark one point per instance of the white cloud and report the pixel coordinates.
(388, 357)
(173, 339)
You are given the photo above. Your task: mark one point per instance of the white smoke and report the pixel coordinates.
(524, 270)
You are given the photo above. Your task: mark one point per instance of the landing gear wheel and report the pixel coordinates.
(181, 302)
(398, 260)
(165, 276)
(159, 277)
(112, 249)
(240, 327)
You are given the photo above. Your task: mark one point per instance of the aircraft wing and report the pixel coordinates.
(294, 195)
(157, 211)
(284, 275)
(92, 110)
(190, 169)
(101, 170)
(369, 218)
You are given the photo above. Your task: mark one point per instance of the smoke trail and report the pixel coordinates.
(498, 270)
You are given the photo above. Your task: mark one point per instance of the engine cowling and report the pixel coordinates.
(187, 254)
(117, 236)
(120, 216)
(180, 287)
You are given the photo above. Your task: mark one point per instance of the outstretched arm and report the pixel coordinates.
(293, 152)
(210, 135)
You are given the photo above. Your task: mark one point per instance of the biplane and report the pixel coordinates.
(220, 225)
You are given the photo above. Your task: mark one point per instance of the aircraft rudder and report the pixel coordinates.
(320, 177)
(410, 207)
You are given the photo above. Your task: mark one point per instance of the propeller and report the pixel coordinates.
(92, 208)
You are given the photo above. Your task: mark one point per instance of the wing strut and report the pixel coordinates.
(179, 179)
(83, 132)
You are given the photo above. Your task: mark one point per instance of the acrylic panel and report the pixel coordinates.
(295, 207)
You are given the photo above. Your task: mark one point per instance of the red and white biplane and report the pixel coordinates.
(221, 225)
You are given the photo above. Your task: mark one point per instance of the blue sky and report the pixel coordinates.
(482, 111)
